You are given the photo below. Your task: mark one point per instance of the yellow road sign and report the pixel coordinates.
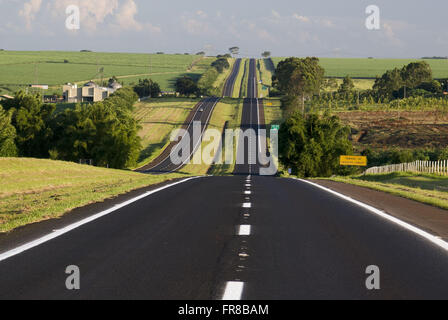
(353, 161)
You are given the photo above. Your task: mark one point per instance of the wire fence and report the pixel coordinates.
(433, 167)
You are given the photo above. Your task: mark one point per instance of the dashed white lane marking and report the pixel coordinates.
(245, 230)
(58, 233)
(233, 291)
(247, 205)
(439, 242)
(248, 192)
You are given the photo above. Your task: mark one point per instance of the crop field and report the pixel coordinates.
(56, 68)
(370, 68)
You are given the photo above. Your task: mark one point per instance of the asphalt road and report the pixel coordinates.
(250, 122)
(304, 244)
(201, 113)
(230, 83)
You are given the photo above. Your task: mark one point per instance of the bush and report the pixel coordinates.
(311, 145)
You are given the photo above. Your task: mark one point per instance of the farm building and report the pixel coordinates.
(90, 92)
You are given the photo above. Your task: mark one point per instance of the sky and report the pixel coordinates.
(323, 28)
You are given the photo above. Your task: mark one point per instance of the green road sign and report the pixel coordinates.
(275, 127)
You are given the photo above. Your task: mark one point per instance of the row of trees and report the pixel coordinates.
(186, 86)
(105, 132)
(416, 75)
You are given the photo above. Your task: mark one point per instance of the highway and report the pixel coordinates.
(304, 243)
(201, 113)
(230, 83)
(252, 109)
(246, 237)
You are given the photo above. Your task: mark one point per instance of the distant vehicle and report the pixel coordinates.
(201, 110)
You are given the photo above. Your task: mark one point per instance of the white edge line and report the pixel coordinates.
(58, 233)
(233, 291)
(435, 240)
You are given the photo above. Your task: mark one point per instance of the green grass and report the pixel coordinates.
(370, 68)
(272, 112)
(222, 77)
(244, 79)
(33, 190)
(158, 118)
(238, 81)
(18, 69)
(425, 188)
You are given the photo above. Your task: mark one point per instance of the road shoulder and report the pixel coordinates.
(431, 219)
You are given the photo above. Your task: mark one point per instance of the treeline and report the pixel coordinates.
(186, 86)
(105, 132)
(302, 86)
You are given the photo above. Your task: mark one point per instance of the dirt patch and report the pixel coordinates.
(401, 129)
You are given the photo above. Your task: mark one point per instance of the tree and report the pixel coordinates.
(221, 64)
(410, 76)
(186, 86)
(266, 54)
(234, 50)
(30, 118)
(311, 145)
(147, 88)
(416, 73)
(347, 86)
(7, 135)
(299, 77)
(104, 131)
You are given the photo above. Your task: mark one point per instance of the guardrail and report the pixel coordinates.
(433, 167)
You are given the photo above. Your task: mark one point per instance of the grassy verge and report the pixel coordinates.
(230, 111)
(158, 118)
(425, 188)
(238, 81)
(35, 190)
(245, 79)
(265, 75)
(272, 112)
(222, 77)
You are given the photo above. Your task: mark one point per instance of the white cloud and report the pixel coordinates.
(301, 18)
(29, 11)
(276, 14)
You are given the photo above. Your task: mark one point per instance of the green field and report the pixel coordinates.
(370, 68)
(18, 69)
(34, 190)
